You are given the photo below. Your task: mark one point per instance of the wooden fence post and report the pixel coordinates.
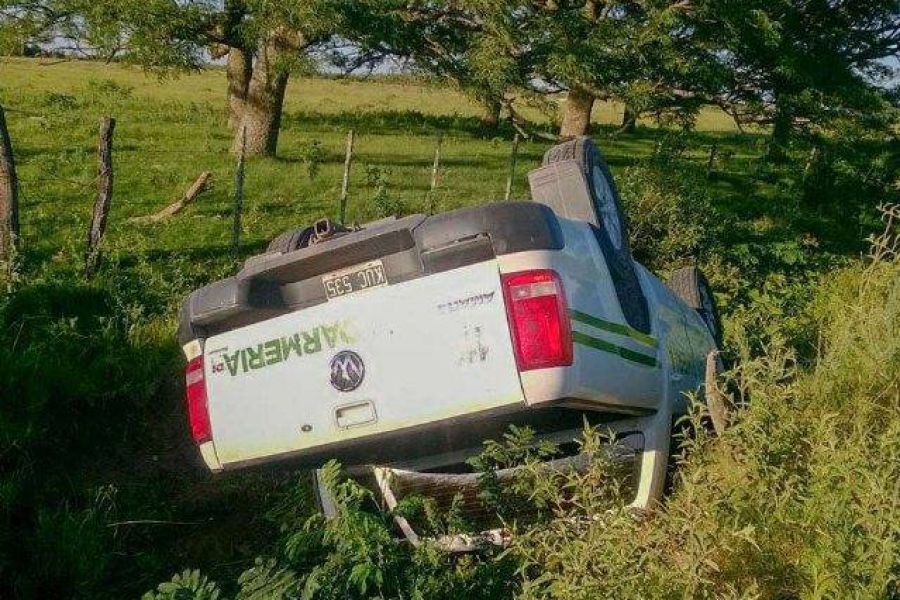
(512, 167)
(104, 196)
(435, 174)
(238, 196)
(436, 167)
(9, 198)
(711, 162)
(345, 184)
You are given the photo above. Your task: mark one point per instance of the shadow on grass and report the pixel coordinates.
(197, 253)
(397, 122)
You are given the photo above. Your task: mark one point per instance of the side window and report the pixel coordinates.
(625, 280)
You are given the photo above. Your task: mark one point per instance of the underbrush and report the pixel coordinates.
(102, 494)
(100, 488)
(76, 372)
(797, 499)
(672, 222)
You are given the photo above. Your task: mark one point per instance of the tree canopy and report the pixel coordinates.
(778, 62)
(792, 60)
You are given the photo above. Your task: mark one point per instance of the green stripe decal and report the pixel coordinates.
(616, 328)
(598, 344)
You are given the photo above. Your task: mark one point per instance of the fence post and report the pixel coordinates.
(711, 162)
(512, 167)
(104, 196)
(238, 196)
(436, 167)
(435, 174)
(9, 198)
(345, 184)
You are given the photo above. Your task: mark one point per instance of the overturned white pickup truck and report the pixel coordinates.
(410, 341)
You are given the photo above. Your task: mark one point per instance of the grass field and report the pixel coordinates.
(169, 130)
(305, 95)
(95, 365)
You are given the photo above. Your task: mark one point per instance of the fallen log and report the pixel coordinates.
(197, 188)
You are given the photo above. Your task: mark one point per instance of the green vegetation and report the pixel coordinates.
(102, 495)
(798, 499)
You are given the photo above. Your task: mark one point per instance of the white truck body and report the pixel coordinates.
(448, 328)
(409, 343)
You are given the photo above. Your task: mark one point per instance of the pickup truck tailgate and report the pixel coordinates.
(348, 372)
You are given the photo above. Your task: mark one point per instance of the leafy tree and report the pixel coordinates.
(638, 52)
(263, 41)
(800, 61)
(443, 39)
(159, 34)
(780, 63)
(491, 49)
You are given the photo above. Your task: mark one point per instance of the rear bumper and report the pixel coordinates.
(208, 453)
(275, 283)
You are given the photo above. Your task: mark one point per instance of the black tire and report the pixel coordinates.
(612, 226)
(607, 204)
(691, 286)
(290, 240)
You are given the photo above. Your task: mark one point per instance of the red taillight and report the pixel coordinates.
(538, 319)
(195, 390)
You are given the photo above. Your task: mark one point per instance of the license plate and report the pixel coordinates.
(354, 279)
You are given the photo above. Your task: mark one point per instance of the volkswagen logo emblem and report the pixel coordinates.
(347, 371)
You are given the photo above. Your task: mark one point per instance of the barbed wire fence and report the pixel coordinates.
(100, 182)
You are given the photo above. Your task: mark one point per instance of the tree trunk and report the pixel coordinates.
(9, 196)
(629, 121)
(264, 103)
(782, 125)
(239, 69)
(239, 65)
(577, 116)
(490, 113)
